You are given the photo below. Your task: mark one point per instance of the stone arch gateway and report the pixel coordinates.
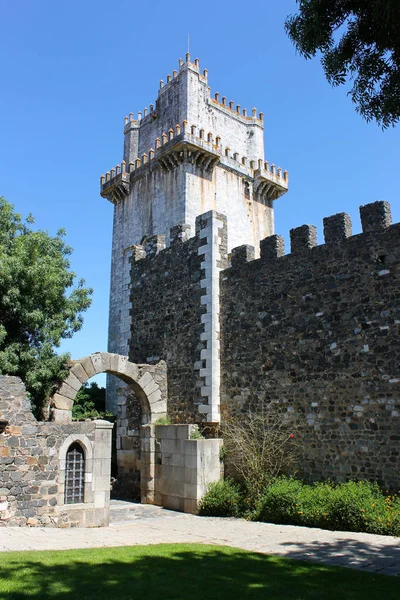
(135, 446)
(148, 381)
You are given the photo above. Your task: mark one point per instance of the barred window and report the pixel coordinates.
(74, 474)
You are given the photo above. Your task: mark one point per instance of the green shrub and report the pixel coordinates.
(313, 501)
(352, 506)
(347, 505)
(163, 421)
(222, 499)
(279, 502)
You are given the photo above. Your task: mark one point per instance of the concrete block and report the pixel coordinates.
(170, 446)
(176, 459)
(183, 431)
(190, 447)
(101, 484)
(190, 475)
(159, 408)
(191, 490)
(73, 382)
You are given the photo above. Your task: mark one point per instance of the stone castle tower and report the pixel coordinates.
(184, 156)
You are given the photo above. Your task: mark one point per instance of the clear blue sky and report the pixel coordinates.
(70, 72)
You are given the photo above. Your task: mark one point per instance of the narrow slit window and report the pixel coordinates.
(74, 474)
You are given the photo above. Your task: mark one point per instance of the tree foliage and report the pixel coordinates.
(90, 402)
(359, 40)
(41, 302)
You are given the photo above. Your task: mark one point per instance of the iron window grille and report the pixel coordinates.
(74, 475)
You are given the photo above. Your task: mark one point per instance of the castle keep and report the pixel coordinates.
(200, 280)
(184, 156)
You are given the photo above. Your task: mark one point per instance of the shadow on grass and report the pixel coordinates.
(180, 572)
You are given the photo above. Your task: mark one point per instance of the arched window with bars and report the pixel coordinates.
(74, 474)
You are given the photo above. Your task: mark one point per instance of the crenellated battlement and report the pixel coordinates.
(193, 144)
(375, 218)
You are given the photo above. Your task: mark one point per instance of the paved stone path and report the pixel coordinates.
(133, 524)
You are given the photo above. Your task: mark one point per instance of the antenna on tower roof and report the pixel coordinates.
(188, 43)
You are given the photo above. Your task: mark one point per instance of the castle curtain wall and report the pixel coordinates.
(318, 331)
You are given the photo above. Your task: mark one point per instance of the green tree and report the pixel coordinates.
(41, 303)
(358, 40)
(90, 402)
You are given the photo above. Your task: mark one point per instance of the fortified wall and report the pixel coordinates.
(175, 312)
(33, 458)
(316, 330)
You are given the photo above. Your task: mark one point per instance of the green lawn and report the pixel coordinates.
(181, 572)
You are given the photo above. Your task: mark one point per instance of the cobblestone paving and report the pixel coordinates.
(133, 524)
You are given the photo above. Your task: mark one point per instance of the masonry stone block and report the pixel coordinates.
(62, 417)
(97, 362)
(272, 247)
(376, 216)
(303, 238)
(132, 371)
(337, 228)
(106, 360)
(67, 391)
(79, 372)
(62, 402)
(88, 366)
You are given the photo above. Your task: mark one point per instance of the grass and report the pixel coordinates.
(180, 572)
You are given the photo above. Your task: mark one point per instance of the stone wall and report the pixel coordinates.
(32, 465)
(175, 314)
(184, 466)
(318, 331)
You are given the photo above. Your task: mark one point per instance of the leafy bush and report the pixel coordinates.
(279, 502)
(347, 504)
(222, 499)
(352, 506)
(163, 421)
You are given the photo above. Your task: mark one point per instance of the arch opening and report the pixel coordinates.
(141, 403)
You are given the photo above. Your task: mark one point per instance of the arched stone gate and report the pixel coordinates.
(135, 449)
